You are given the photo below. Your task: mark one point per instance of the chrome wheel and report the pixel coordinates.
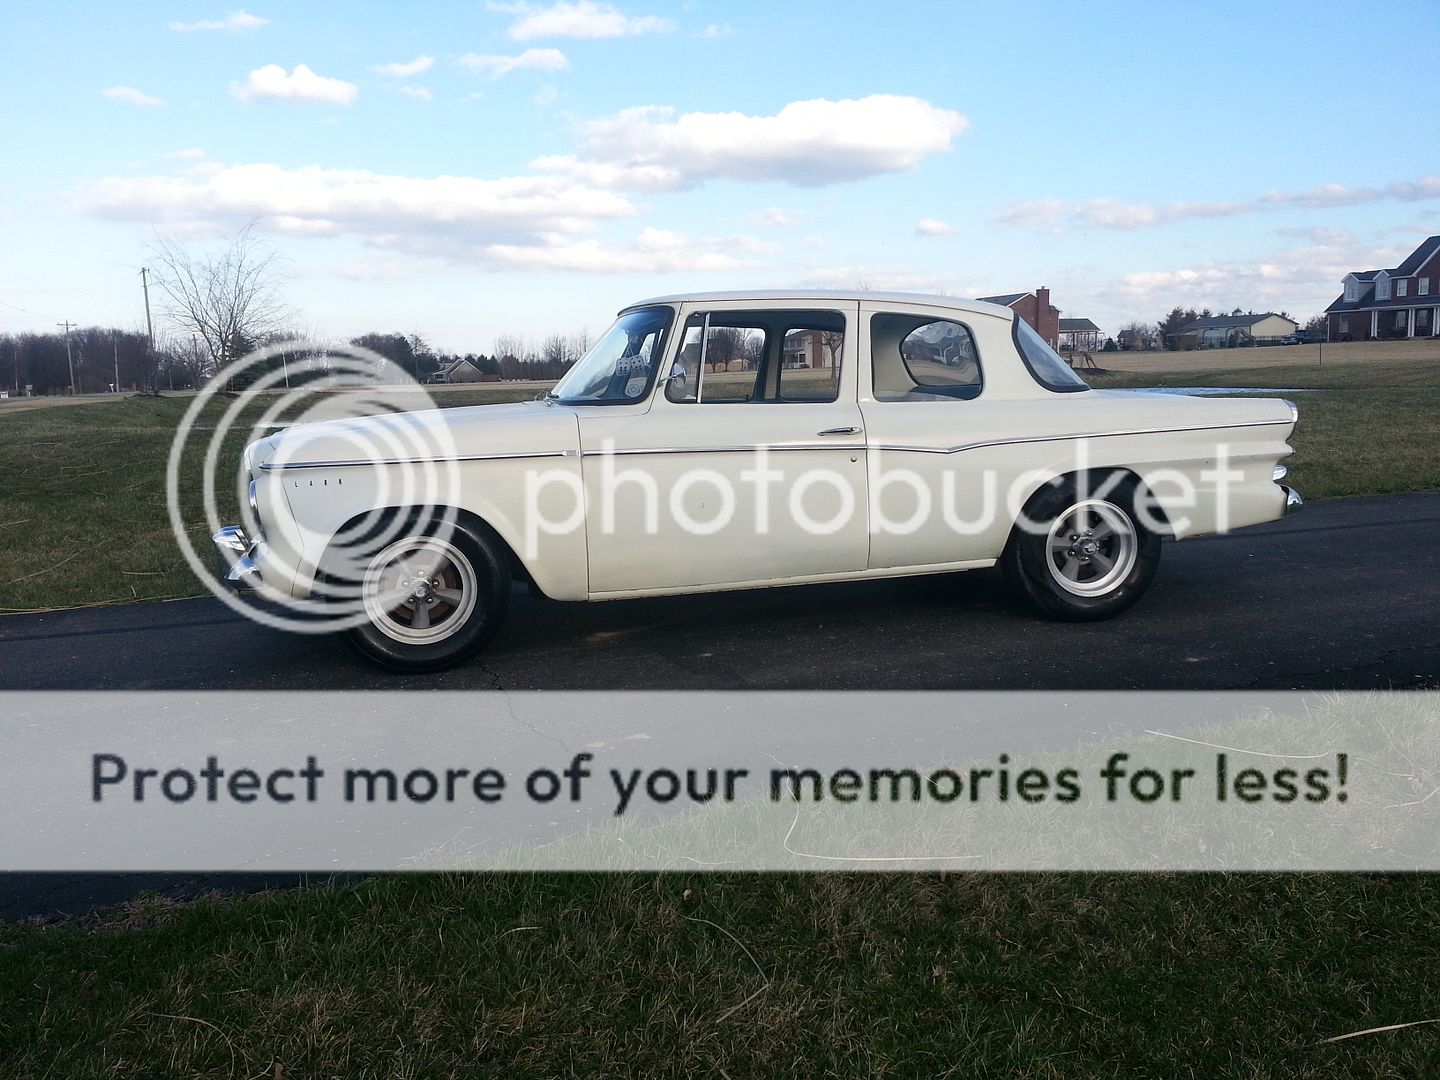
(420, 590)
(1091, 548)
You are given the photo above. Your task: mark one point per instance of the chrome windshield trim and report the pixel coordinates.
(374, 462)
(1073, 435)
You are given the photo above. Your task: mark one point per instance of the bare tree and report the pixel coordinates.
(228, 300)
(1136, 335)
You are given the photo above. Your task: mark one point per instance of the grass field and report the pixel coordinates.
(82, 505)
(739, 975)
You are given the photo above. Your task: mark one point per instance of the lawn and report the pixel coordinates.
(739, 975)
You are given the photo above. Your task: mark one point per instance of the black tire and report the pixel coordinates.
(1061, 568)
(467, 592)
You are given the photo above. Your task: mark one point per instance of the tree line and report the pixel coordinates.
(217, 305)
(1161, 333)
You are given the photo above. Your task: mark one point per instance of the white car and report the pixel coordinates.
(740, 440)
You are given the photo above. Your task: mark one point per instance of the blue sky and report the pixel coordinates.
(472, 169)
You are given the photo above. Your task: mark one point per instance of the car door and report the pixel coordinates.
(748, 467)
(924, 396)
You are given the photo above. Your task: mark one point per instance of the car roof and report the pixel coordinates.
(958, 303)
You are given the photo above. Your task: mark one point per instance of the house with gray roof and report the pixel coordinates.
(1399, 302)
(1230, 331)
(1079, 334)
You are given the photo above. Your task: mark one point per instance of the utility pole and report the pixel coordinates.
(69, 359)
(115, 344)
(150, 334)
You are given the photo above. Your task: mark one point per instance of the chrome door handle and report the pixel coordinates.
(839, 431)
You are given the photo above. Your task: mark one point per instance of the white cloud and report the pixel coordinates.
(883, 279)
(235, 22)
(715, 31)
(406, 69)
(131, 96)
(273, 82)
(430, 214)
(930, 226)
(1049, 215)
(531, 59)
(1301, 280)
(776, 218)
(653, 251)
(190, 153)
(578, 19)
(419, 93)
(807, 143)
(647, 178)
(1033, 215)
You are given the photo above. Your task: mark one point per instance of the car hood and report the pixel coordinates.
(522, 429)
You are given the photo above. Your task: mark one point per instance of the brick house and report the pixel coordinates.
(1403, 302)
(1035, 308)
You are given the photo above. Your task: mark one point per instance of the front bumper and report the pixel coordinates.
(234, 561)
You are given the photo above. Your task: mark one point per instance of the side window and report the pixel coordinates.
(719, 361)
(810, 361)
(758, 356)
(920, 358)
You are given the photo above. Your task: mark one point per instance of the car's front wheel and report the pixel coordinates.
(1082, 553)
(433, 598)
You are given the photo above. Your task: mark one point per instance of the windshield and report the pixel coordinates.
(621, 365)
(1045, 363)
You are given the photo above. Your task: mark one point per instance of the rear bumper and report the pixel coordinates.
(234, 559)
(1293, 501)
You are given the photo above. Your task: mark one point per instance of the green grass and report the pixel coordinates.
(739, 975)
(82, 499)
(1374, 430)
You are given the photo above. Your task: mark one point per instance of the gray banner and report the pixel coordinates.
(817, 781)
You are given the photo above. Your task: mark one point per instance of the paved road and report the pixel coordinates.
(1345, 595)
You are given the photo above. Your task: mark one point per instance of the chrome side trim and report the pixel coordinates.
(268, 466)
(1074, 435)
(1293, 501)
(776, 449)
(1279, 473)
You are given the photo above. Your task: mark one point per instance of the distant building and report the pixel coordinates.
(1403, 302)
(1136, 340)
(1035, 308)
(811, 349)
(1228, 331)
(1079, 334)
(461, 371)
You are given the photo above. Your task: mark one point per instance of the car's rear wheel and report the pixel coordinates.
(1083, 552)
(434, 597)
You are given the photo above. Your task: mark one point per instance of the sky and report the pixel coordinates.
(470, 169)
